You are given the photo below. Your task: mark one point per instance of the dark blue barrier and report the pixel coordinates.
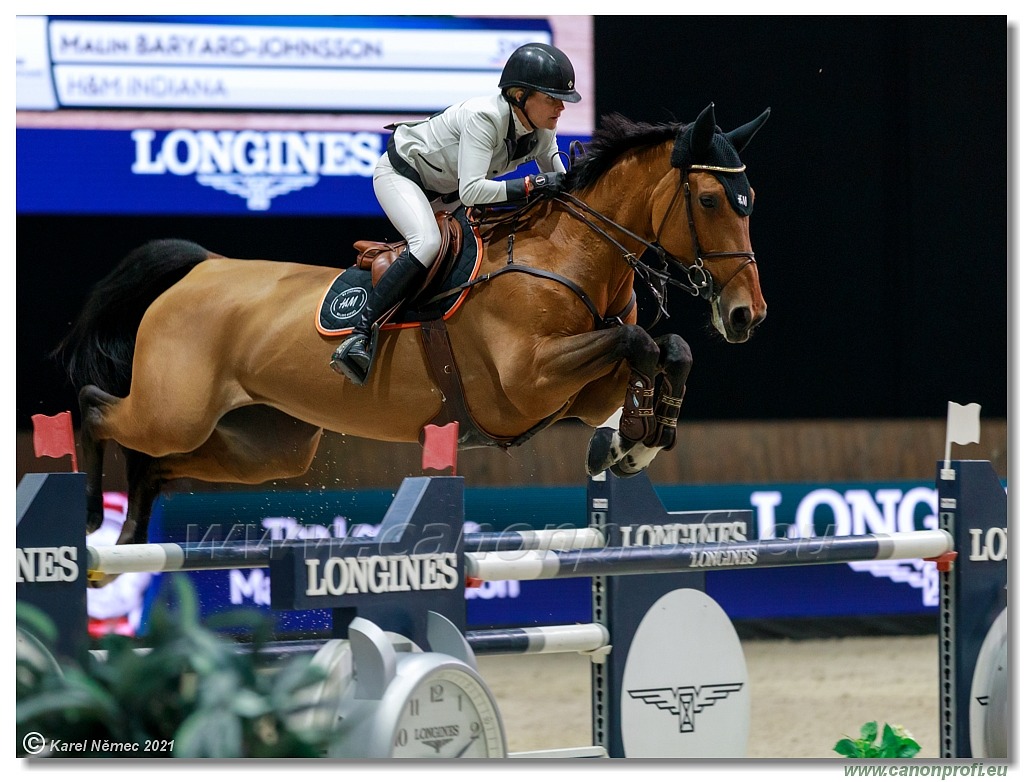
(858, 589)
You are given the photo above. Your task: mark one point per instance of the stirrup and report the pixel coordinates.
(344, 363)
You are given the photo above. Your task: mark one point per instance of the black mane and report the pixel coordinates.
(616, 135)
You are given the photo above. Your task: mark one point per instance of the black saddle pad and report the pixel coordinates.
(347, 295)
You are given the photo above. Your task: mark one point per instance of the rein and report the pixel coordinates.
(698, 281)
(492, 221)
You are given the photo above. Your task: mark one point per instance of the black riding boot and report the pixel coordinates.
(354, 356)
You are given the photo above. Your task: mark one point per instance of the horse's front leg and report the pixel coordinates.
(539, 380)
(675, 362)
(627, 450)
(674, 366)
(573, 363)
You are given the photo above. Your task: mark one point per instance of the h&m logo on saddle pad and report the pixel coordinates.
(347, 295)
(347, 304)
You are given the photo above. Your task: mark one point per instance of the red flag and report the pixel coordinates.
(53, 435)
(440, 444)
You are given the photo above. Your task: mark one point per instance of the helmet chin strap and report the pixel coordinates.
(521, 105)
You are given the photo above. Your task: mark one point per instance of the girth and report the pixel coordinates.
(441, 360)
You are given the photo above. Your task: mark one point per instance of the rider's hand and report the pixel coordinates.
(549, 184)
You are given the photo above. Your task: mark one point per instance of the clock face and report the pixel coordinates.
(449, 715)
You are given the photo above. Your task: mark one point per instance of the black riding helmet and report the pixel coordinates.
(540, 67)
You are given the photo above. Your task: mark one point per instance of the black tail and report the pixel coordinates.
(99, 348)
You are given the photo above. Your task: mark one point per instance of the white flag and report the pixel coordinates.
(963, 423)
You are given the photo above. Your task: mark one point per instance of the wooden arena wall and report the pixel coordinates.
(705, 453)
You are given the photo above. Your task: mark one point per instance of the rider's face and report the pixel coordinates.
(543, 110)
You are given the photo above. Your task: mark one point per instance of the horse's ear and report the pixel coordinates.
(741, 136)
(702, 133)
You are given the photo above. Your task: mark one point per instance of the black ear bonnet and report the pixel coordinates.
(703, 146)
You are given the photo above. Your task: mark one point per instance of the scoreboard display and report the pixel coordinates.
(236, 115)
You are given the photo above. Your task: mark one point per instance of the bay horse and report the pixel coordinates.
(207, 367)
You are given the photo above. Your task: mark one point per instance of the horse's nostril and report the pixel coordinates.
(740, 318)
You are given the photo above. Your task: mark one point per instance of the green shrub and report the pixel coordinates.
(894, 742)
(192, 694)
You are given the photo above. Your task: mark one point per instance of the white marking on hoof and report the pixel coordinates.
(638, 459)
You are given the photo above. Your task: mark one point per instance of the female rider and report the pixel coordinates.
(453, 157)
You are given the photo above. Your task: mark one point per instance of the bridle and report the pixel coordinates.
(698, 280)
(707, 286)
(658, 275)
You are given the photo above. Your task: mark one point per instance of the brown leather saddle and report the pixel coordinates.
(376, 257)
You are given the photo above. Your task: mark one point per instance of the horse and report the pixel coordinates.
(208, 367)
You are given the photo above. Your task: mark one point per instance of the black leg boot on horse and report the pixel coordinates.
(354, 357)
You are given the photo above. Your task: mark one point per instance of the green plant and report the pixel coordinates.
(894, 742)
(192, 693)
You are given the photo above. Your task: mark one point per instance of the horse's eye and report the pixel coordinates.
(708, 201)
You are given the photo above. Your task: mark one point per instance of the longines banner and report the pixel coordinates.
(197, 172)
(181, 171)
(785, 510)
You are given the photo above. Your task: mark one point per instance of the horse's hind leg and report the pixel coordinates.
(175, 400)
(144, 483)
(95, 405)
(89, 400)
(143, 472)
(165, 419)
(249, 445)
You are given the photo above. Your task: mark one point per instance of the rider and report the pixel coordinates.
(453, 157)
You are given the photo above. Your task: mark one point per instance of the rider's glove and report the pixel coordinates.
(547, 184)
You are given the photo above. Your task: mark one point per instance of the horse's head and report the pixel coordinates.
(702, 215)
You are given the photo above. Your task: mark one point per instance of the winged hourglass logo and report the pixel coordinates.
(686, 701)
(257, 190)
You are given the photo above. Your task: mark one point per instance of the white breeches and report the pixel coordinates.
(408, 209)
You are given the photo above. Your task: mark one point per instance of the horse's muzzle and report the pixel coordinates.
(737, 323)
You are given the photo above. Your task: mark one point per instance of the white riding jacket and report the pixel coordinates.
(466, 146)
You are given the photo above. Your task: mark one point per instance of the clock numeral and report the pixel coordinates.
(436, 693)
(401, 738)
(414, 707)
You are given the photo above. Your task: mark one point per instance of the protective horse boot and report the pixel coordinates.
(354, 357)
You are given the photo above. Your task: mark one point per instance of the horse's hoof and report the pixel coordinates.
(625, 469)
(601, 452)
